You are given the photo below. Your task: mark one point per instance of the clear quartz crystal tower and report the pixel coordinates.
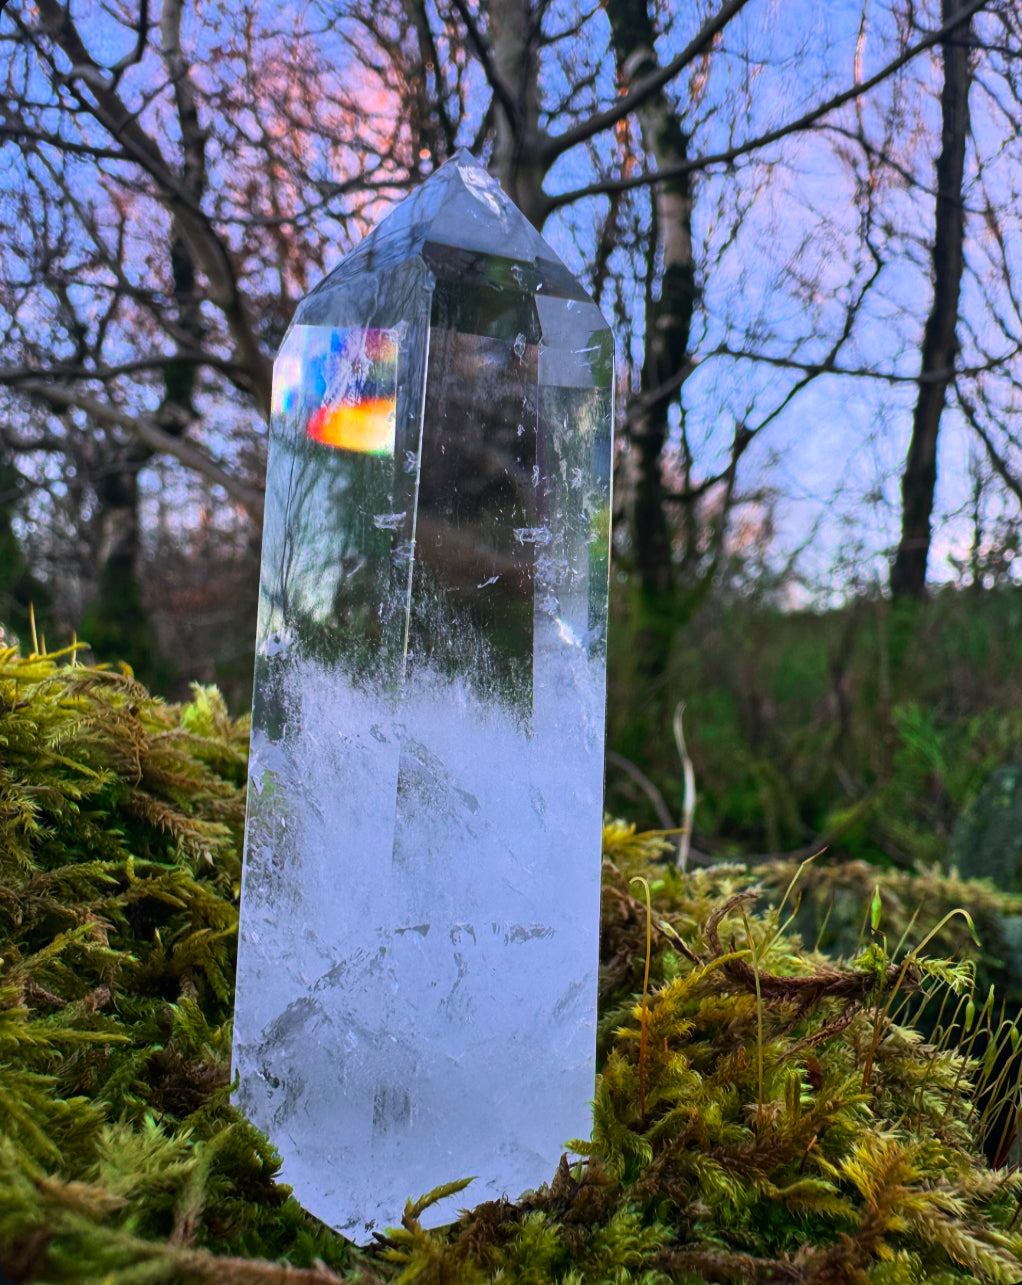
(420, 905)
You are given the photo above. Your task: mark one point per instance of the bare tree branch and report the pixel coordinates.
(208, 248)
(829, 366)
(730, 155)
(147, 431)
(642, 90)
(502, 91)
(998, 461)
(133, 56)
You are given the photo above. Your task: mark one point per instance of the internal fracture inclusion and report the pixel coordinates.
(420, 904)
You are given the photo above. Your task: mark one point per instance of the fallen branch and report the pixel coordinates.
(825, 983)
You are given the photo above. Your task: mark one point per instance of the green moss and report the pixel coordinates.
(763, 1114)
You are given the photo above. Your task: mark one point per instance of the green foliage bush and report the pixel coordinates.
(866, 727)
(760, 1114)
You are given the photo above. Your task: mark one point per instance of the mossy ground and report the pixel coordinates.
(763, 1113)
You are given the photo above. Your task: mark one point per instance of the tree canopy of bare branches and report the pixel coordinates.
(808, 248)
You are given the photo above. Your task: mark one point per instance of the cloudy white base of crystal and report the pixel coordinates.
(418, 949)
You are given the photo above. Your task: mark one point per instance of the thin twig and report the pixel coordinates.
(646, 785)
(689, 803)
(645, 998)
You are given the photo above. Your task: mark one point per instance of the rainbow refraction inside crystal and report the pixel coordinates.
(344, 381)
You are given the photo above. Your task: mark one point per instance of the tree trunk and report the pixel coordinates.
(657, 607)
(115, 623)
(670, 293)
(517, 162)
(919, 479)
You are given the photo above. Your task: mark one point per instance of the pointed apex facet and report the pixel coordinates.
(455, 221)
(474, 213)
(463, 206)
(464, 157)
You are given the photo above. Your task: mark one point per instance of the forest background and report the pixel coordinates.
(803, 223)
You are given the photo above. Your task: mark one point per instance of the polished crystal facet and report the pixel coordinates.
(420, 906)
